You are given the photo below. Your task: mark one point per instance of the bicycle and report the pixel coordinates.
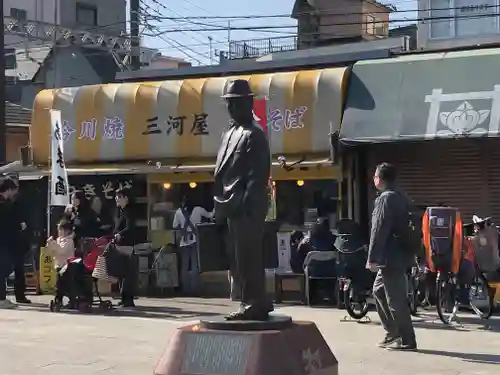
(412, 279)
(453, 296)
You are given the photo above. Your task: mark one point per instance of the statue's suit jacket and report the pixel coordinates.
(242, 173)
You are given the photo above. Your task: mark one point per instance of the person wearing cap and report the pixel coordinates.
(241, 199)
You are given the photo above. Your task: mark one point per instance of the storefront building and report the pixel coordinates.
(437, 118)
(170, 131)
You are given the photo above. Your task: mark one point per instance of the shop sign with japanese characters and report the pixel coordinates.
(104, 187)
(59, 189)
(167, 135)
(113, 129)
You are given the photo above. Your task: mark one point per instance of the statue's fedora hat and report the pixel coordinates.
(239, 88)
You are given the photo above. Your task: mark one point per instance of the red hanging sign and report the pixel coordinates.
(260, 113)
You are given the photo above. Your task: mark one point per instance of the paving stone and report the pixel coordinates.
(35, 341)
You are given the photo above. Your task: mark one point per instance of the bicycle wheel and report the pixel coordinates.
(446, 304)
(412, 295)
(481, 297)
(355, 303)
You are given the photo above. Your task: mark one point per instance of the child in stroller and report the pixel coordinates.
(74, 269)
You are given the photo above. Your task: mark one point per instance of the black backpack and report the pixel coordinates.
(412, 241)
(410, 235)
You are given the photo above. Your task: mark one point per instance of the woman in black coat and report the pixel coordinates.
(125, 237)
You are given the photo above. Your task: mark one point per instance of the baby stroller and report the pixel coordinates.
(79, 269)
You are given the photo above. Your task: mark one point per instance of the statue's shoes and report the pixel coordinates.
(251, 312)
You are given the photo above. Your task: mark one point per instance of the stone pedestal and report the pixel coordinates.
(275, 347)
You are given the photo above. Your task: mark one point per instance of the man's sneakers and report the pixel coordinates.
(7, 304)
(399, 345)
(388, 340)
(395, 343)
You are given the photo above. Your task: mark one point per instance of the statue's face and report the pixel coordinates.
(232, 108)
(240, 109)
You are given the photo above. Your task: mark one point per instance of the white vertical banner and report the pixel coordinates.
(59, 187)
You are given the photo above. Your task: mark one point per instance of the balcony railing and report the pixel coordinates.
(254, 48)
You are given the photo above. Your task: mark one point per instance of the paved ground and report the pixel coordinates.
(34, 341)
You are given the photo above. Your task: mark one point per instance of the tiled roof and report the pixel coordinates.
(15, 115)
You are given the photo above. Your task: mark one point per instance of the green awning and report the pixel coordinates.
(423, 96)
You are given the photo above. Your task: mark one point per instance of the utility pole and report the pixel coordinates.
(229, 38)
(54, 45)
(134, 34)
(211, 53)
(3, 120)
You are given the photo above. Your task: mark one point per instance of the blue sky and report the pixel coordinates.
(194, 46)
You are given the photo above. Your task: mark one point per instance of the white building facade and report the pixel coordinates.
(457, 23)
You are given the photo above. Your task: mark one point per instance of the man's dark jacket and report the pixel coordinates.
(389, 220)
(21, 215)
(9, 227)
(125, 226)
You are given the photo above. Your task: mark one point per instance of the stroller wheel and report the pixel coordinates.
(106, 305)
(54, 306)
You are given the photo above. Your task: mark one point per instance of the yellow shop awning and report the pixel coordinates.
(185, 118)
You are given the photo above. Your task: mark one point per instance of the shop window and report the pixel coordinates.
(165, 199)
(19, 14)
(86, 14)
(300, 203)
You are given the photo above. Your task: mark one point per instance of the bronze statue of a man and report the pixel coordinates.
(241, 200)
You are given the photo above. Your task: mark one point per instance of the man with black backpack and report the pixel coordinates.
(391, 252)
(185, 220)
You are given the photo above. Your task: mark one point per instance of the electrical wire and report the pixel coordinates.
(318, 12)
(191, 37)
(420, 19)
(181, 47)
(336, 35)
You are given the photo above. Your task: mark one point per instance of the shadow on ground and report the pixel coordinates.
(491, 359)
(149, 312)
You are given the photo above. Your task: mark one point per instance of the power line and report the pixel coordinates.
(421, 19)
(174, 21)
(179, 49)
(337, 35)
(159, 16)
(251, 28)
(332, 12)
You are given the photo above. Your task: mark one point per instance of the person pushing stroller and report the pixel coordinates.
(70, 270)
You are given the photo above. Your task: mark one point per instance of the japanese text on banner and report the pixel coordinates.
(59, 188)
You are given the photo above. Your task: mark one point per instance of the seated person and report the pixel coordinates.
(70, 272)
(296, 263)
(320, 239)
